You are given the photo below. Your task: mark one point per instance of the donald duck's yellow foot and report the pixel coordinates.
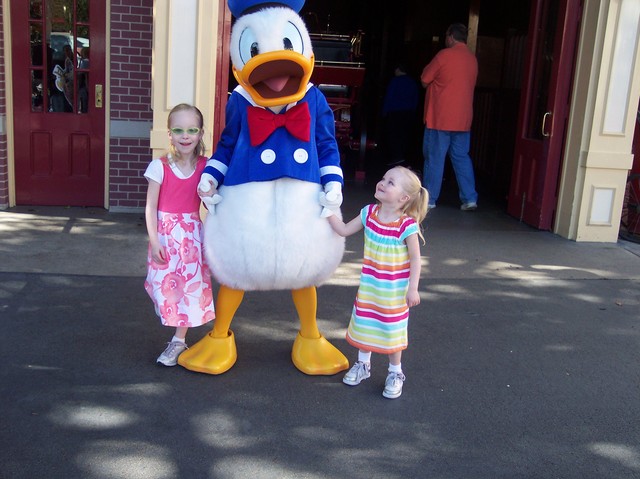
(210, 355)
(317, 356)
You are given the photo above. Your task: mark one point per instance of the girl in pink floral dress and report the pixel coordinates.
(178, 279)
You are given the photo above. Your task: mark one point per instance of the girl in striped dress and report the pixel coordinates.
(390, 274)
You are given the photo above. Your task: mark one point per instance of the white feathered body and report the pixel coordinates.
(270, 235)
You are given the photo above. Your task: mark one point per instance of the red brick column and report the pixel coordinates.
(131, 117)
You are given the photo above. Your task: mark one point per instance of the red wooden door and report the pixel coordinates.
(58, 52)
(544, 108)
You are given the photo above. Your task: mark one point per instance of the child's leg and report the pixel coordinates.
(364, 356)
(360, 371)
(181, 334)
(176, 346)
(395, 378)
(395, 363)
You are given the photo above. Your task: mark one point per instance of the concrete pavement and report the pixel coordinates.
(523, 362)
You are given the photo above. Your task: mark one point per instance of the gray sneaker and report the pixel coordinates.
(169, 357)
(358, 373)
(393, 385)
(472, 206)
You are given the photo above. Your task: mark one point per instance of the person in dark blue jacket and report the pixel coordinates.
(399, 115)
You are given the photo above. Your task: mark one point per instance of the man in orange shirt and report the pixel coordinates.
(450, 79)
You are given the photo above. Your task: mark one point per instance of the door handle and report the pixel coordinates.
(98, 96)
(544, 123)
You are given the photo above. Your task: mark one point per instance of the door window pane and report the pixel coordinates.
(63, 55)
(82, 44)
(82, 11)
(60, 14)
(64, 61)
(82, 32)
(36, 44)
(83, 92)
(37, 89)
(35, 9)
(59, 39)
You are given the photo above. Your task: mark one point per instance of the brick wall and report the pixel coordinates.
(4, 173)
(131, 115)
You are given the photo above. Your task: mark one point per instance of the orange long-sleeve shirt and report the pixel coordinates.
(450, 79)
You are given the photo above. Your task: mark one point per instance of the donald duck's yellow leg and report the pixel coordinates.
(216, 352)
(312, 353)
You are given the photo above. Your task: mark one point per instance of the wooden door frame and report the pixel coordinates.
(8, 83)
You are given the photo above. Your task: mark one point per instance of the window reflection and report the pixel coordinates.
(83, 82)
(37, 99)
(82, 10)
(82, 36)
(35, 9)
(62, 99)
(36, 44)
(59, 37)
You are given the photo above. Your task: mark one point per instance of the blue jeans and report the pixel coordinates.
(435, 146)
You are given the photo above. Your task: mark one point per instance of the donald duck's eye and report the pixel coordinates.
(248, 46)
(292, 38)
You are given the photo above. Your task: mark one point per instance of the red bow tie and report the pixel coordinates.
(263, 122)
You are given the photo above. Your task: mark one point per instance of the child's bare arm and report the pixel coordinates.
(343, 229)
(415, 264)
(151, 218)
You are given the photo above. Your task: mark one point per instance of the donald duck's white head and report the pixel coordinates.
(271, 50)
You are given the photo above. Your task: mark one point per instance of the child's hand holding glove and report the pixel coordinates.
(208, 192)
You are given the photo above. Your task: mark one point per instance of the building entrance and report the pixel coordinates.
(411, 32)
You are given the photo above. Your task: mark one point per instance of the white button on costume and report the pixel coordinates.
(300, 155)
(268, 156)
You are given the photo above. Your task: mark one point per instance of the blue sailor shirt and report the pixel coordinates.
(281, 155)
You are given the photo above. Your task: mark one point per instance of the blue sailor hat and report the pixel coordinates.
(239, 6)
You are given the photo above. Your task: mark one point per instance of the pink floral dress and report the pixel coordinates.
(181, 288)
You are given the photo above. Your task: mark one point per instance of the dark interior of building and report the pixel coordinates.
(373, 36)
(412, 32)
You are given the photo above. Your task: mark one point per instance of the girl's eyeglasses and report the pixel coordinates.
(180, 131)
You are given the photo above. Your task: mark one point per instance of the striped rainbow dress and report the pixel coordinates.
(380, 314)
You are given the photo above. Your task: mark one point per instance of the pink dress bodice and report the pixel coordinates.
(180, 195)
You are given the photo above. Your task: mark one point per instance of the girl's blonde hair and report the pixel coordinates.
(200, 148)
(418, 203)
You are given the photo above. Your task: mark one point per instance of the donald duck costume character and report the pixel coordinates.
(275, 168)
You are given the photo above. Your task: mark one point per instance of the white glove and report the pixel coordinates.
(211, 201)
(206, 181)
(330, 198)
